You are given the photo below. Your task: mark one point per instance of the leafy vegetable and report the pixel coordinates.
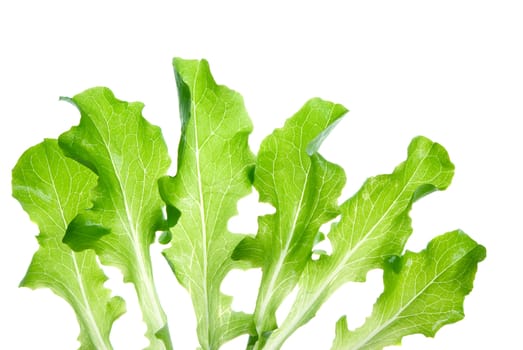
(374, 225)
(53, 189)
(303, 187)
(214, 165)
(102, 190)
(129, 155)
(423, 292)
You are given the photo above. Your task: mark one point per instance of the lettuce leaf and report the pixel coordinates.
(214, 172)
(52, 189)
(129, 155)
(374, 225)
(102, 190)
(303, 187)
(423, 292)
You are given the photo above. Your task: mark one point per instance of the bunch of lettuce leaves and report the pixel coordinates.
(100, 194)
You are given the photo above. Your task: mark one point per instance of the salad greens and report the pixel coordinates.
(101, 193)
(443, 275)
(374, 226)
(214, 165)
(128, 155)
(303, 187)
(53, 189)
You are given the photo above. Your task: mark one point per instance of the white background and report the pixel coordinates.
(449, 70)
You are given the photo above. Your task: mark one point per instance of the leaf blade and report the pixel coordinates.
(129, 155)
(374, 224)
(424, 295)
(303, 187)
(214, 166)
(52, 189)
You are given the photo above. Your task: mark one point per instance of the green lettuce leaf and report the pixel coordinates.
(52, 189)
(303, 187)
(129, 156)
(374, 225)
(423, 292)
(101, 192)
(214, 172)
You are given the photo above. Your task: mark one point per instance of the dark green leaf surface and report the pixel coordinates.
(214, 166)
(52, 189)
(129, 156)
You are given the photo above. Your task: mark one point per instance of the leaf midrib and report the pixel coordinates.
(283, 254)
(269, 291)
(95, 334)
(129, 226)
(201, 207)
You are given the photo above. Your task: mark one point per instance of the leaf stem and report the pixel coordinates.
(153, 313)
